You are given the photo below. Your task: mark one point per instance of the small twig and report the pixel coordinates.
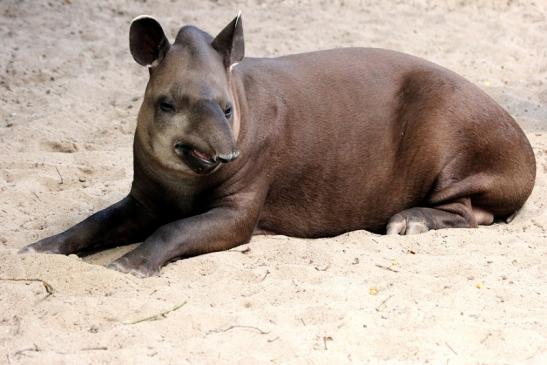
(262, 332)
(450, 347)
(94, 348)
(383, 302)
(36, 195)
(47, 286)
(325, 339)
(486, 337)
(386, 268)
(22, 352)
(158, 316)
(60, 176)
(265, 275)
(322, 268)
(273, 339)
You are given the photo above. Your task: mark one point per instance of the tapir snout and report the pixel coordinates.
(206, 142)
(208, 123)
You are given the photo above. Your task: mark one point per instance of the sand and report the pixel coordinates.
(69, 94)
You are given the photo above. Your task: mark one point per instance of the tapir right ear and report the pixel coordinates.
(147, 41)
(229, 42)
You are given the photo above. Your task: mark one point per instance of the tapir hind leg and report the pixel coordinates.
(476, 200)
(458, 214)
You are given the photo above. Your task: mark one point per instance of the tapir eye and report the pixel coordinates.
(228, 111)
(167, 107)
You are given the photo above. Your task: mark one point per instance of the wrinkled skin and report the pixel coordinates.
(309, 145)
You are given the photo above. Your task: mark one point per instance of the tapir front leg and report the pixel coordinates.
(221, 228)
(122, 223)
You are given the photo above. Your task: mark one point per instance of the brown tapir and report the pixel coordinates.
(308, 145)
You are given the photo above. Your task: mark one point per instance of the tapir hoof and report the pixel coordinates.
(142, 270)
(26, 250)
(47, 245)
(405, 225)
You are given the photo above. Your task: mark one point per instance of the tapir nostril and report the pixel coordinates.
(179, 148)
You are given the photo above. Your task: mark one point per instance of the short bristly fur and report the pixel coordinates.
(308, 145)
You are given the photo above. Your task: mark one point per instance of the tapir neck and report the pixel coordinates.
(244, 125)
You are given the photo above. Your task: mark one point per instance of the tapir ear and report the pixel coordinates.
(229, 42)
(147, 41)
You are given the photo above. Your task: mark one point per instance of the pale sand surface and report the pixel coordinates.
(69, 94)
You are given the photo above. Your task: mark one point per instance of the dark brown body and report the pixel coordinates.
(328, 142)
(357, 135)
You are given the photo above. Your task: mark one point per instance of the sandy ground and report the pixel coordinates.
(69, 93)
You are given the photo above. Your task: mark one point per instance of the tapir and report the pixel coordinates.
(306, 145)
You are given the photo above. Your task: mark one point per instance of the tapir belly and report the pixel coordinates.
(325, 198)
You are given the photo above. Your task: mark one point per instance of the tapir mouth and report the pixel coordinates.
(202, 162)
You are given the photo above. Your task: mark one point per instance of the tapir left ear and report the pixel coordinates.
(229, 42)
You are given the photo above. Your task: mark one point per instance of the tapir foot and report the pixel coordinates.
(398, 224)
(420, 220)
(139, 268)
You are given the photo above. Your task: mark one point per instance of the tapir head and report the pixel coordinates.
(189, 118)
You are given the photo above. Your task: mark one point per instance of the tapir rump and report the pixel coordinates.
(306, 145)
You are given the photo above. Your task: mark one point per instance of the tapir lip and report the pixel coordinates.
(199, 161)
